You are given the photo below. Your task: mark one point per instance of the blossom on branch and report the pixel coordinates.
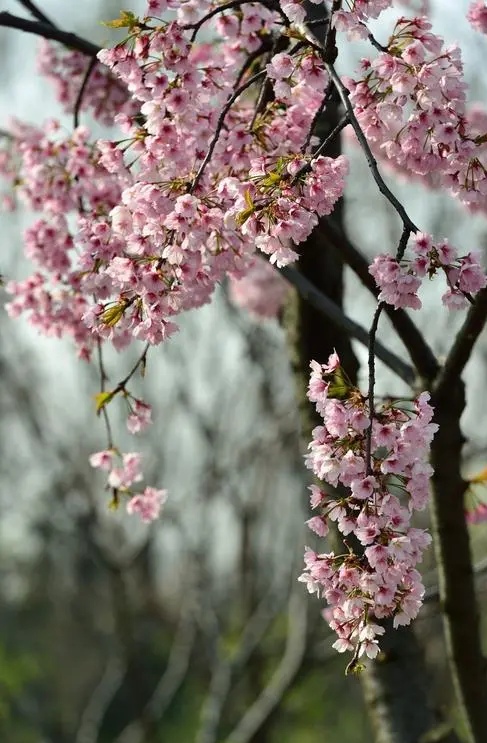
(378, 470)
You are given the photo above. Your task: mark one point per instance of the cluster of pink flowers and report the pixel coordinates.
(103, 94)
(399, 281)
(162, 233)
(58, 174)
(260, 290)
(477, 15)
(351, 18)
(410, 103)
(354, 20)
(122, 476)
(140, 416)
(378, 477)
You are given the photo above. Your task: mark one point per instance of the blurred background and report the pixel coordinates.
(194, 629)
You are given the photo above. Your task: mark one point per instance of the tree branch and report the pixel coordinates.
(48, 31)
(454, 562)
(372, 163)
(332, 312)
(36, 12)
(420, 352)
(465, 340)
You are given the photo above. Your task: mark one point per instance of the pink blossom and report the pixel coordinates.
(380, 582)
(477, 15)
(148, 504)
(140, 418)
(102, 459)
(123, 477)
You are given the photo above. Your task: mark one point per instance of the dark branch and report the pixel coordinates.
(465, 340)
(226, 108)
(333, 313)
(48, 31)
(381, 184)
(35, 12)
(81, 92)
(421, 354)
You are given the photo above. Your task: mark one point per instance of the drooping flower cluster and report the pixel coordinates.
(399, 281)
(59, 174)
(261, 290)
(123, 471)
(378, 477)
(103, 95)
(354, 19)
(161, 223)
(477, 15)
(410, 102)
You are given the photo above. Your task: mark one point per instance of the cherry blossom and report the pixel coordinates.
(379, 474)
(477, 15)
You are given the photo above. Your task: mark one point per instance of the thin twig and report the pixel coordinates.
(226, 108)
(344, 121)
(371, 367)
(406, 232)
(377, 44)
(420, 352)
(81, 92)
(382, 186)
(317, 116)
(230, 6)
(103, 381)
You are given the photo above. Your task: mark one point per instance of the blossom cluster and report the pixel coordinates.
(352, 18)
(410, 102)
(102, 95)
(123, 471)
(399, 281)
(159, 223)
(379, 475)
(477, 15)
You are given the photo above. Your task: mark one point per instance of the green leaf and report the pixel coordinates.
(248, 199)
(339, 385)
(102, 399)
(112, 315)
(243, 216)
(127, 19)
